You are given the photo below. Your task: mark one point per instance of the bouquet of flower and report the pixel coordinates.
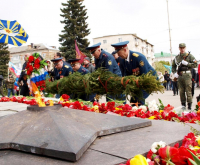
(35, 64)
(35, 70)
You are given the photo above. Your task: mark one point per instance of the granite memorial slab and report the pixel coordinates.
(60, 132)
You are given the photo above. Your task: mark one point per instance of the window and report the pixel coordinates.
(104, 41)
(120, 39)
(135, 39)
(15, 58)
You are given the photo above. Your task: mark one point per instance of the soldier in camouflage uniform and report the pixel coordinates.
(181, 67)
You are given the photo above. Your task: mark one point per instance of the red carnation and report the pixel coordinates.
(65, 96)
(37, 61)
(31, 59)
(28, 72)
(37, 66)
(30, 69)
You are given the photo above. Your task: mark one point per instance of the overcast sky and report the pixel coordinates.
(147, 18)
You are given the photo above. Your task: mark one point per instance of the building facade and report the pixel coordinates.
(135, 44)
(17, 53)
(162, 56)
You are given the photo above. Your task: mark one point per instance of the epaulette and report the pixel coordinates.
(66, 66)
(105, 55)
(135, 54)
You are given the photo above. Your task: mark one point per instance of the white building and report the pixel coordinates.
(135, 44)
(162, 56)
(17, 53)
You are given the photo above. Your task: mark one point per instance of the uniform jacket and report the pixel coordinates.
(107, 61)
(83, 70)
(137, 65)
(64, 71)
(11, 83)
(120, 61)
(192, 63)
(90, 67)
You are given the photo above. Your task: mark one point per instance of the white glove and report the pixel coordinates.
(184, 62)
(176, 75)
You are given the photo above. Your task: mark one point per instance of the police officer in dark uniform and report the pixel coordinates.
(104, 59)
(119, 61)
(61, 70)
(76, 66)
(134, 63)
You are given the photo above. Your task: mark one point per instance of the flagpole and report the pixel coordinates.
(169, 32)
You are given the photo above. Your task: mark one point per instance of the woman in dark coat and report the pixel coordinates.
(24, 86)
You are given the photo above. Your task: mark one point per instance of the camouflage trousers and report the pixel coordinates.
(185, 87)
(1, 91)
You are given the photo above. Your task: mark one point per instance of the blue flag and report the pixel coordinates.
(169, 68)
(11, 32)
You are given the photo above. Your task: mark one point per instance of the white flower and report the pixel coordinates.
(143, 107)
(148, 160)
(156, 145)
(153, 106)
(134, 108)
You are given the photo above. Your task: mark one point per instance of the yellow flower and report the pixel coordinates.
(161, 111)
(196, 148)
(138, 160)
(152, 117)
(198, 140)
(118, 109)
(61, 99)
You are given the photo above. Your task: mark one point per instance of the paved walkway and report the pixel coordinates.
(168, 98)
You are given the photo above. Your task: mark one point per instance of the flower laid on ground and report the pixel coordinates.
(120, 110)
(152, 105)
(137, 160)
(157, 145)
(161, 154)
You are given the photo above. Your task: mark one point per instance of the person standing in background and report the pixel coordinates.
(10, 85)
(181, 67)
(174, 82)
(88, 65)
(1, 85)
(193, 71)
(167, 79)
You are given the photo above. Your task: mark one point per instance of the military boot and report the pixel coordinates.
(183, 104)
(189, 106)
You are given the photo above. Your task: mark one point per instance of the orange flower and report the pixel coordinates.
(198, 103)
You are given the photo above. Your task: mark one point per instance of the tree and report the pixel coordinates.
(160, 67)
(4, 59)
(76, 28)
(165, 63)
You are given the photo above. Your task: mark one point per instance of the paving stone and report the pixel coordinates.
(90, 158)
(139, 141)
(5, 113)
(61, 133)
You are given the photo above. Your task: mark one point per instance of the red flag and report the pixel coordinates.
(79, 55)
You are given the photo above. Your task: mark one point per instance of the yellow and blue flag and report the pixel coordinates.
(11, 32)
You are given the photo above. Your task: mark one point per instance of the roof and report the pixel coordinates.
(125, 34)
(26, 48)
(163, 54)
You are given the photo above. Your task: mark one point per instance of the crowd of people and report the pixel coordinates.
(122, 62)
